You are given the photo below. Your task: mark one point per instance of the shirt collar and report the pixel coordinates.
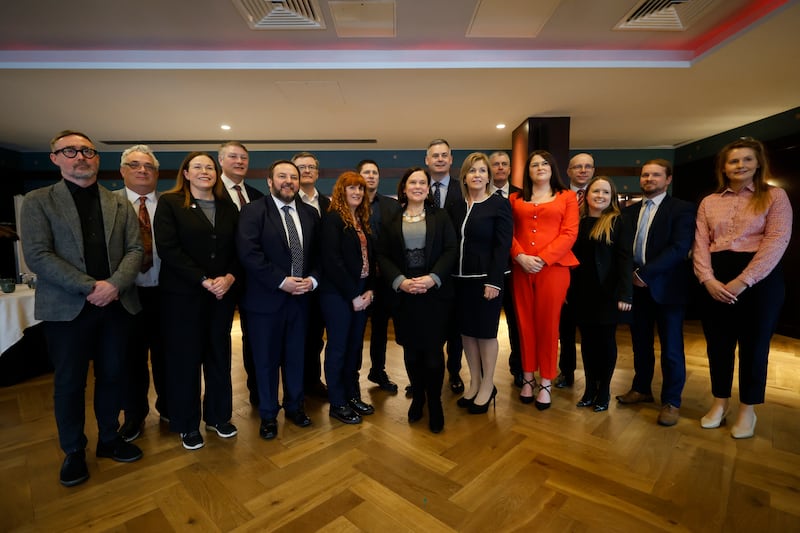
(134, 196)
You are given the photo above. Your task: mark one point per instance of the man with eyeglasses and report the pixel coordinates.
(446, 194)
(500, 164)
(139, 169)
(234, 159)
(580, 171)
(83, 243)
(308, 165)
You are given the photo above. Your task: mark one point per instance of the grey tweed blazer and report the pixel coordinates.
(52, 242)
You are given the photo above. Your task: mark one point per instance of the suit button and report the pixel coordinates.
(213, 236)
(213, 255)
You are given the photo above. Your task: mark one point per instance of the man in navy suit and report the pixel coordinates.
(278, 247)
(234, 159)
(439, 159)
(664, 229)
(501, 184)
(308, 165)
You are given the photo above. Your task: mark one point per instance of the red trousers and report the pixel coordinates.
(538, 299)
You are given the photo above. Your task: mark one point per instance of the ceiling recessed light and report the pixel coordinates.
(501, 126)
(225, 127)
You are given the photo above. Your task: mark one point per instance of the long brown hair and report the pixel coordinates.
(601, 231)
(556, 183)
(182, 184)
(339, 201)
(760, 199)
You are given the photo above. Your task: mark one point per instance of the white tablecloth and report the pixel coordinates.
(16, 314)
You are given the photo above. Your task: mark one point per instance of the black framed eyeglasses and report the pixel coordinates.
(71, 152)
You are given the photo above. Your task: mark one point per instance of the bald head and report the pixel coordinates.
(580, 170)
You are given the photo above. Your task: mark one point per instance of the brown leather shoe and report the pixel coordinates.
(633, 396)
(669, 415)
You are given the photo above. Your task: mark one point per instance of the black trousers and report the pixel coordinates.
(749, 323)
(599, 354)
(379, 315)
(99, 334)
(197, 336)
(314, 342)
(514, 360)
(145, 339)
(568, 361)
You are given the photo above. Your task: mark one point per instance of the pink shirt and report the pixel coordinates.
(725, 221)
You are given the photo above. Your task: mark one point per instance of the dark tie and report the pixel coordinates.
(437, 194)
(295, 247)
(242, 201)
(641, 233)
(147, 234)
(581, 193)
(500, 193)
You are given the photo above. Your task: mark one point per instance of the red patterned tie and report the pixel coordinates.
(242, 201)
(581, 193)
(147, 234)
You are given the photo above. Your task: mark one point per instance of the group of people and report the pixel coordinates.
(131, 273)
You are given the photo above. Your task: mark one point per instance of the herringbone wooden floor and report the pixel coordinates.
(515, 468)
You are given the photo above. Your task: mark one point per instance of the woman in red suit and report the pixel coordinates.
(545, 228)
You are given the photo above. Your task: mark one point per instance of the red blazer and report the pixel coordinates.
(547, 230)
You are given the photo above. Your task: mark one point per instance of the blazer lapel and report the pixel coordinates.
(64, 205)
(275, 218)
(110, 208)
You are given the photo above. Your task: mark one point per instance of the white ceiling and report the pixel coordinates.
(148, 70)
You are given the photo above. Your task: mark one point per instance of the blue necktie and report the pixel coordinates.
(437, 194)
(295, 247)
(641, 233)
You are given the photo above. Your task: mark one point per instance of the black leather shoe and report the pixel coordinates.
(585, 402)
(299, 418)
(74, 470)
(383, 381)
(601, 405)
(435, 417)
(408, 391)
(456, 385)
(343, 413)
(268, 429)
(360, 407)
(131, 430)
(119, 450)
(564, 380)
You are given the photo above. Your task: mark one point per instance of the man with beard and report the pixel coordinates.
(83, 242)
(278, 247)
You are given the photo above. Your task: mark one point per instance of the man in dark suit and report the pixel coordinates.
(664, 231)
(501, 172)
(235, 161)
(308, 165)
(384, 209)
(278, 247)
(446, 194)
(580, 171)
(83, 243)
(139, 170)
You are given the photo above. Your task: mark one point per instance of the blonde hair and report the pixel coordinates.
(602, 229)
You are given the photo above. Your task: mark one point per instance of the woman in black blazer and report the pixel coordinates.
(194, 224)
(348, 268)
(484, 227)
(416, 254)
(601, 287)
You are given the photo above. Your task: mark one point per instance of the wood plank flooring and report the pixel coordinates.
(515, 468)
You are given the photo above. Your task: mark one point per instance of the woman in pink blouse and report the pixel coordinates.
(545, 217)
(742, 231)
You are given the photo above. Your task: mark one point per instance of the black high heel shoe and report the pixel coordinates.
(542, 405)
(476, 409)
(465, 402)
(528, 399)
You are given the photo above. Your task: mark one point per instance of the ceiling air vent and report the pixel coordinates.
(281, 14)
(664, 15)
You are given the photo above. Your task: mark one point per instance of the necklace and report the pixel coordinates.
(414, 218)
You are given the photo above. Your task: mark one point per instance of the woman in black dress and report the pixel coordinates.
(601, 287)
(416, 255)
(484, 227)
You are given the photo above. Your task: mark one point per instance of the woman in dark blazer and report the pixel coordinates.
(416, 254)
(483, 225)
(348, 268)
(195, 224)
(601, 287)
